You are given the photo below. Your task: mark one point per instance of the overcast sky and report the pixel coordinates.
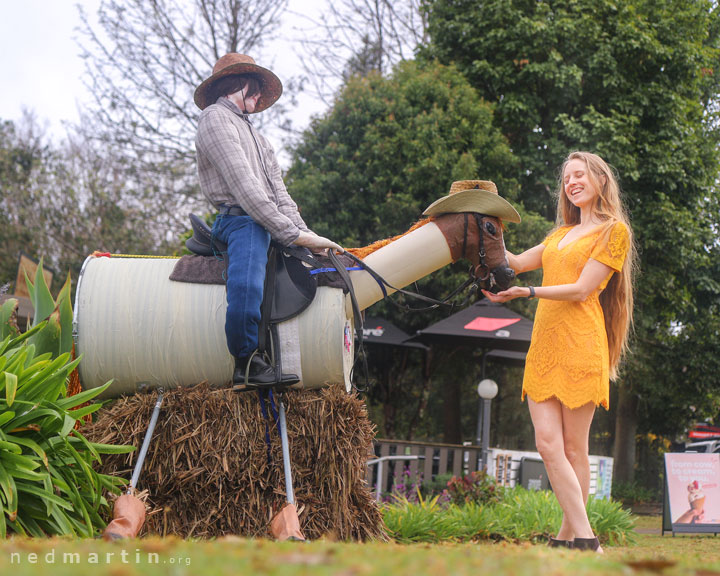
(41, 68)
(39, 59)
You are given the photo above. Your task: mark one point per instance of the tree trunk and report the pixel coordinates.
(424, 395)
(452, 430)
(626, 423)
(389, 408)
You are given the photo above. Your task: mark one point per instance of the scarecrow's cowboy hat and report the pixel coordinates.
(234, 63)
(474, 196)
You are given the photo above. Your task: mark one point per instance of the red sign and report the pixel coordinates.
(490, 324)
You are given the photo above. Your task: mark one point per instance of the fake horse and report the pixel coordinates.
(146, 331)
(135, 326)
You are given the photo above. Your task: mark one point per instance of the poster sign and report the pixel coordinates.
(692, 485)
(603, 480)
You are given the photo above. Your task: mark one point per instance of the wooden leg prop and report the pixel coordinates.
(286, 524)
(129, 511)
(128, 518)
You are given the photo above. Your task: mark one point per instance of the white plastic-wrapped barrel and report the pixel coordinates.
(138, 328)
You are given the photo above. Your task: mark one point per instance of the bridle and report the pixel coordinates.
(477, 274)
(482, 272)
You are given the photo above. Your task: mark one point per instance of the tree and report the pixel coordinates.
(359, 37)
(20, 156)
(63, 201)
(391, 146)
(144, 60)
(635, 82)
(387, 149)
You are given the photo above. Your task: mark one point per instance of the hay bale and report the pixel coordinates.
(207, 469)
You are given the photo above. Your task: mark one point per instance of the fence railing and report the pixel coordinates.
(425, 461)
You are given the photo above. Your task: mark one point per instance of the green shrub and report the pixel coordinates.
(436, 486)
(476, 487)
(469, 522)
(526, 515)
(419, 521)
(633, 493)
(47, 482)
(519, 515)
(609, 518)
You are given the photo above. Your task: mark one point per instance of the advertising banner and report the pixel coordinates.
(692, 487)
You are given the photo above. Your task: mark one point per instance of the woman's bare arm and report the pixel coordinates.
(589, 281)
(529, 260)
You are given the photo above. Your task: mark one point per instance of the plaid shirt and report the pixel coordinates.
(237, 167)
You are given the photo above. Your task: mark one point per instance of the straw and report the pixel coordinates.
(207, 469)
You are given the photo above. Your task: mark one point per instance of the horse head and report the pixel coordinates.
(470, 218)
(478, 238)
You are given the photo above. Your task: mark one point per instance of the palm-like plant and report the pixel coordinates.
(47, 482)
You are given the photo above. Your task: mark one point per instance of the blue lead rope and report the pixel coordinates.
(263, 395)
(321, 270)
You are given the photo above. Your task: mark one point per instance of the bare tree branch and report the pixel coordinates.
(358, 36)
(144, 59)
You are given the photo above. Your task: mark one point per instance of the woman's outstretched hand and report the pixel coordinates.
(507, 295)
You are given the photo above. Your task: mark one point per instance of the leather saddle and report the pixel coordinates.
(287, 277)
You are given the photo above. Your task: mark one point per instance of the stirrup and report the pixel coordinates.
(281, 385)
(278, 384)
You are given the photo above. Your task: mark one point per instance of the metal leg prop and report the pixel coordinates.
(286, 524)
(129, 511)
(290, 495)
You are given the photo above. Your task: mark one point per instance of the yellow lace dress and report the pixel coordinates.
(568, 357)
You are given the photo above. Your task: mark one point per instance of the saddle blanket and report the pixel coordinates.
(211, 270)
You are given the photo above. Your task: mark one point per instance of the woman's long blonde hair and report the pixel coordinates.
(617, 297)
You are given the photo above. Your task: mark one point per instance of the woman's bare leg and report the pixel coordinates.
(547, 418)
(576, 435)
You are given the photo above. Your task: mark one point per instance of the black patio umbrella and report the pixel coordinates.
(379, 331)
(507, 357)
(485, 325)
(502, 335)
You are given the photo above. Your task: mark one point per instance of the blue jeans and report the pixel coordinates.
(248, 244)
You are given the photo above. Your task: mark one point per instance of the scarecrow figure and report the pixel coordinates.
(240, 176)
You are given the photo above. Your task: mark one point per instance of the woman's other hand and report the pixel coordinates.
(507, 295)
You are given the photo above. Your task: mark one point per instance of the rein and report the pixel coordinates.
(481, 250)
(340, 268)
(472, 282)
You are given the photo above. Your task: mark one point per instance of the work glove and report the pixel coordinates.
(316, 243)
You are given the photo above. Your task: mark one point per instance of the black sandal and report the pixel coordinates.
(586, 544)
(555, 543)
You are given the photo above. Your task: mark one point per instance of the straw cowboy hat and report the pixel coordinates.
(234, 63)
(474, 196)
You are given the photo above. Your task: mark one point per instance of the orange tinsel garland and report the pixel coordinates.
(367, 250)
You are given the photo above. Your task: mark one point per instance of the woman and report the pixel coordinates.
(580, 332)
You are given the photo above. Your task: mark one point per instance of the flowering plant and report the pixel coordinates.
(476, 487)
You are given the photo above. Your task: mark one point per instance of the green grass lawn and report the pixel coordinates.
(680, 555)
